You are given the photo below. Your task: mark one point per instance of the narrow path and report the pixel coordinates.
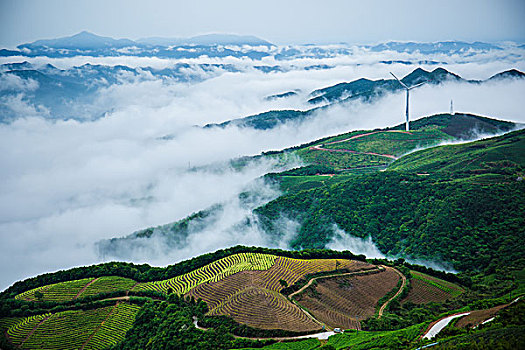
(375, 269)
(403, 283)
(319, 148)
(34, 329)
(136, 284)
(98, 328)
(368, 133)
(117, 298)
(84, 288)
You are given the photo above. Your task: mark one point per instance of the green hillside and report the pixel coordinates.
(164, 318)
(460, 204)
(369, 151)
(345, 183)
(502, 155)
(440, 203)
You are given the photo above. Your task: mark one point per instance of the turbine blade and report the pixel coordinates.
(400, 82)
(415, 86)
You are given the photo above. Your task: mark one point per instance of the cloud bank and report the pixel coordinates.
(67, 184)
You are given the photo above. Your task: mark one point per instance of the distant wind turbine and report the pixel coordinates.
(408, 93)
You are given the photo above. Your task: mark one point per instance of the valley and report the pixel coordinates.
(246, 296)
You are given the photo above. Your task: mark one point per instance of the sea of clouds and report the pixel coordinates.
(67, 184)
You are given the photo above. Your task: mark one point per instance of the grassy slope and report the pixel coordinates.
(502, 155)
(425, 132)
(449, 215)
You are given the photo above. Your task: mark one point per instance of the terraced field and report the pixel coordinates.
(93, 329)
(63, 291)
(20, 331)
(339, 301)
(114, 328)
(228, 291)
(286, 269)
(427, 289)
(369, 149)
(264, 309)
(212, 272)
(107, 284)
(7, 322)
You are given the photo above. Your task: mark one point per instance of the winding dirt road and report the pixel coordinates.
(403, 283)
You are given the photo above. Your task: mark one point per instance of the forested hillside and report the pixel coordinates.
(458, 203)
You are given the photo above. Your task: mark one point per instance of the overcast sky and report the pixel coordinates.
(279, 21)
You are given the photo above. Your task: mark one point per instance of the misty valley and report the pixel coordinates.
(223, 191)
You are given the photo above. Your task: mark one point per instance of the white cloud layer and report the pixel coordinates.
(66, 184)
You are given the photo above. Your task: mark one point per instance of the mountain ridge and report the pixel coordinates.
(362, 89)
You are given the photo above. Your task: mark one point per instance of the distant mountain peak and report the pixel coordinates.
(207, 40)
(512, 73)
(82, 40)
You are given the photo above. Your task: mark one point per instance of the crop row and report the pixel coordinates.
(350, 295)
(334, 318)
(266, 310)
(114, 328)
(62, 291)
(18, 332)
(67, 329)
(291, 270)
(424, 292)
(8, 322)
(212, 272)
(97, 329)
(445, 286)
(286, 269)
(108, 284)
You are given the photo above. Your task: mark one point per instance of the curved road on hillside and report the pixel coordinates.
(320, 148)
(403, 283)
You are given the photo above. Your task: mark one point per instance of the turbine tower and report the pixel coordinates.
(408, 93)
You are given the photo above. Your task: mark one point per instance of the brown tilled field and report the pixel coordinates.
(478, 316)
(225, 296)
(337, 301)
(423, 292)
(261, 308)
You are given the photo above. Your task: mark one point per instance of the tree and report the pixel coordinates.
(283, 283)
(39, 295)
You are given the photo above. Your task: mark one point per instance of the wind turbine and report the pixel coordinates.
(408, 93)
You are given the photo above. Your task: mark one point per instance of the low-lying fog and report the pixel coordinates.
(67, 184)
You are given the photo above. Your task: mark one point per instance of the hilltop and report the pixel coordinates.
(362, 90)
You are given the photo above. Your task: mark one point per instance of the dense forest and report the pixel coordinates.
(461, 204)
